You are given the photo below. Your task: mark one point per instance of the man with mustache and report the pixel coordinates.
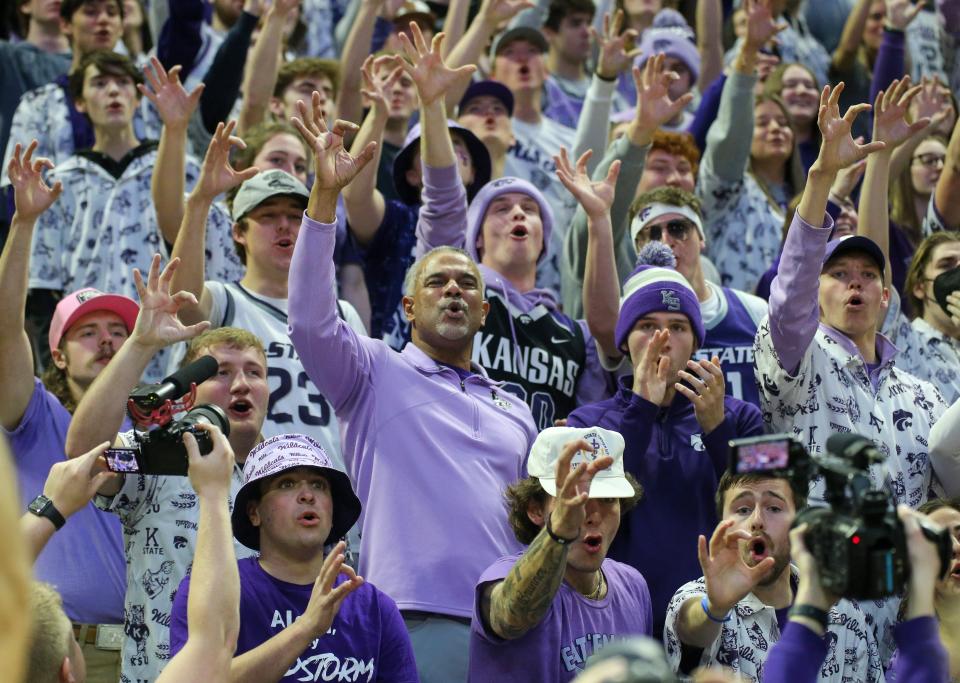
(87, 329)
(736, 611)
(424, 431)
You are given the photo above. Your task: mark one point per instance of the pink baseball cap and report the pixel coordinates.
(77, 304)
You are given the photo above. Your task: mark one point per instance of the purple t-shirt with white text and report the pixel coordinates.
(573, 628)
(367, 641)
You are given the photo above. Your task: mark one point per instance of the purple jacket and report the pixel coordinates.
(429, 454)
(673, 461)
(921, 657)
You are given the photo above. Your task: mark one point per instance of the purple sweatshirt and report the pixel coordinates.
(429, 453)
(673, 461)
(920, 658)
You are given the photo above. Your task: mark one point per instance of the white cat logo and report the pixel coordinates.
(696, 441)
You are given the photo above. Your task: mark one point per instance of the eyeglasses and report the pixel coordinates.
(930, 159)
(678, 229)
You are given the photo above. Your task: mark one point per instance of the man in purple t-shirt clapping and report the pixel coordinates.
(303, 614)
(540, 614)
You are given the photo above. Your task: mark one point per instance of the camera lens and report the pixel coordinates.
(207, 413)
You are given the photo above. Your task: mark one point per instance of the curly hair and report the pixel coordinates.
(678, 144)
(521, 494)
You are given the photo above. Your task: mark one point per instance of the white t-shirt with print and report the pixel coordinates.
(745, 641)
(159, 516)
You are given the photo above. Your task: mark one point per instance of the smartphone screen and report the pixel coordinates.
(763, 456)
(121, 460)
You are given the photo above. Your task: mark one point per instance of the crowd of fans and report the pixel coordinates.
(489, 288)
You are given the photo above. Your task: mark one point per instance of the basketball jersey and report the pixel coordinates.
(539, 355)
(730, 336)
(296, 405)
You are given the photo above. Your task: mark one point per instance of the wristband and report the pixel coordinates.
(717, 620)
(604, 78)
(810, 612)
(559, 539)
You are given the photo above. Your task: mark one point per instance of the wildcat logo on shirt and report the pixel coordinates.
(575, 654)
(670, 299)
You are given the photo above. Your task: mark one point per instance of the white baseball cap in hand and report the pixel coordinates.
(607, 483)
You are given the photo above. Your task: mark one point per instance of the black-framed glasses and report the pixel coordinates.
(930, 159)
(678, 228)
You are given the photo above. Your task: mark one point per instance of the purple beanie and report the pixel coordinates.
(654, 289)
(492, 190)
(671, 35)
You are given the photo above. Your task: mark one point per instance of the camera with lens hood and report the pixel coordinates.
(857, 538)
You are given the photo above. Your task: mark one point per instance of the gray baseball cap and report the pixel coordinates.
(262, 187)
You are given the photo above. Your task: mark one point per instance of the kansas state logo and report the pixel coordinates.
(86, 296)
(670, 299)
(280, 180)
(600, 447)
(903, 419)
(502, 182)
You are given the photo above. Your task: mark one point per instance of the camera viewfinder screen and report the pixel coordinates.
(121, 460)
(758, 457)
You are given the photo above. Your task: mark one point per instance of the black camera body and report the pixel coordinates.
(161, 450)
(857, 538)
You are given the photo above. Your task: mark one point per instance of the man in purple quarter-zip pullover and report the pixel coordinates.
(428, 440)
(676, 421)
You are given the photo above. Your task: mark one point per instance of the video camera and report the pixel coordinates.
(857, 539)
(161, 450)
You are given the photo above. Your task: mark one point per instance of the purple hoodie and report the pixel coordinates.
(429, 453)
(678, 468)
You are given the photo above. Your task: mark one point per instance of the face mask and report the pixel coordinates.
(945, 284)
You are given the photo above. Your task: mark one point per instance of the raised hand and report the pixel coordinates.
(325, 600)
(283, 7)
(377, 90)
(425, 66)
(810, 590)
(217, 175)
(706, 391)
(157, 323)
(496, 13)
(335, 167)
(838, 149)
(932, 102)
(901, 13)
(729, 579)
(654, 106)
(573, 489)
(31, 194)
(174, 104)
(614, 57)
(953, 307)
(890, 111)
(596, 198)
(210, 474)
(650, 376)
(71, 484)
(847, 179)
(761, 25)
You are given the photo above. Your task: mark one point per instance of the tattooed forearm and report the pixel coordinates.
(519, 602)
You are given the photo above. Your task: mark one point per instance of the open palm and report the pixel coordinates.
(334, 166)
(157, 323)
(595, 197)
(729, 579)
(890, 111)
(426, 67)
(838, 148)
(654, 106)
(174, 104)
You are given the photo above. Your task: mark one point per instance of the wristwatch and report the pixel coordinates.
(44, 507)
